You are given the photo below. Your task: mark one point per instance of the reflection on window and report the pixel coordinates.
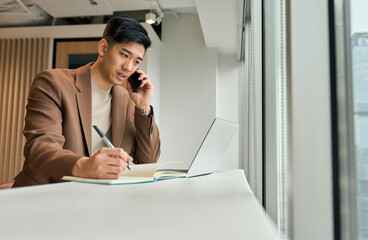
(360, 96)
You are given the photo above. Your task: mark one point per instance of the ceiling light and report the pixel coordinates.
(150, 18)
(156, 16)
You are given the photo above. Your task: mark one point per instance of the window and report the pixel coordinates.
(359, 48)
(275, 113)
(351, 165)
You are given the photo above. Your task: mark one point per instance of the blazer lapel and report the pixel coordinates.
(118, 116)
(84, 102)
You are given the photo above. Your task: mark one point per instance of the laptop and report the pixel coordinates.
(212, 148)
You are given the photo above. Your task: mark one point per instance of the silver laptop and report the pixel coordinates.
(212, 148)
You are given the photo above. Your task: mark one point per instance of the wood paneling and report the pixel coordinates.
(20, 61)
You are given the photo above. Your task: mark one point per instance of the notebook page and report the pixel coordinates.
(140, 170)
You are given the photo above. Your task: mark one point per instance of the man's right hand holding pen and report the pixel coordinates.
(107, 163)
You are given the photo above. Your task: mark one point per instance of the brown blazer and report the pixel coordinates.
(58, 126)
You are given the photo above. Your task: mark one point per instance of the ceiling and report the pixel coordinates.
(220, 25)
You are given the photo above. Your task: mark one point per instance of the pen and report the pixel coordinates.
(106, 140)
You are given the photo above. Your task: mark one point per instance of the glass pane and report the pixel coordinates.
(275, 112)
(359, 37)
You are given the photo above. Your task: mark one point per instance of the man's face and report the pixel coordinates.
(121, 60)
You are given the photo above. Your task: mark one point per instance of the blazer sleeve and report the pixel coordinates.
(43, 151)
(147, 148)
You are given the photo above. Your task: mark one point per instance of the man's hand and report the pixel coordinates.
(143, 97)
(107, 163)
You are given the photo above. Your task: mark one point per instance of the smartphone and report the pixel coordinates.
(134, 82)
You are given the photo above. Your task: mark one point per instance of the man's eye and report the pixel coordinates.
(124, 55)
(138, 62)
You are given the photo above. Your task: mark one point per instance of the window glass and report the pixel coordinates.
(275, 113)
(359, 54)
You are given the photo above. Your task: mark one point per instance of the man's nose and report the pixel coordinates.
(128, 65)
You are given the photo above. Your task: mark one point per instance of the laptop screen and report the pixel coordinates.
(213, 147)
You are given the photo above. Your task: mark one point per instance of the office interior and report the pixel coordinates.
(291, 73)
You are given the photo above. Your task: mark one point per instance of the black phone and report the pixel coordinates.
(134, 82)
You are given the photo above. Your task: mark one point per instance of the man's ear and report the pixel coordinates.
(102, 47)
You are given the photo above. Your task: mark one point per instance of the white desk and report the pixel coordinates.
(216, 206)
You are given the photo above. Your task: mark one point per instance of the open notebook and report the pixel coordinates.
(139, 174)
(205, 161)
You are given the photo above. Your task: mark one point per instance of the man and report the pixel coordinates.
(64, 104)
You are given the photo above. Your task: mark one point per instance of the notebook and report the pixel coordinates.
(205, 161)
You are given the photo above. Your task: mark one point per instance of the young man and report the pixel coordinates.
(64, 104)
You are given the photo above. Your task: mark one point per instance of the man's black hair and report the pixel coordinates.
(120, 29)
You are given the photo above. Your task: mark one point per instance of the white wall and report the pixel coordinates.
(197, 85)
(188, 88)
(228, 103)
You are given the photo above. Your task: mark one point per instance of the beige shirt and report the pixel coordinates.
(101, 115)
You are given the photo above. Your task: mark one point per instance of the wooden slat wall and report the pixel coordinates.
(20, 61)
